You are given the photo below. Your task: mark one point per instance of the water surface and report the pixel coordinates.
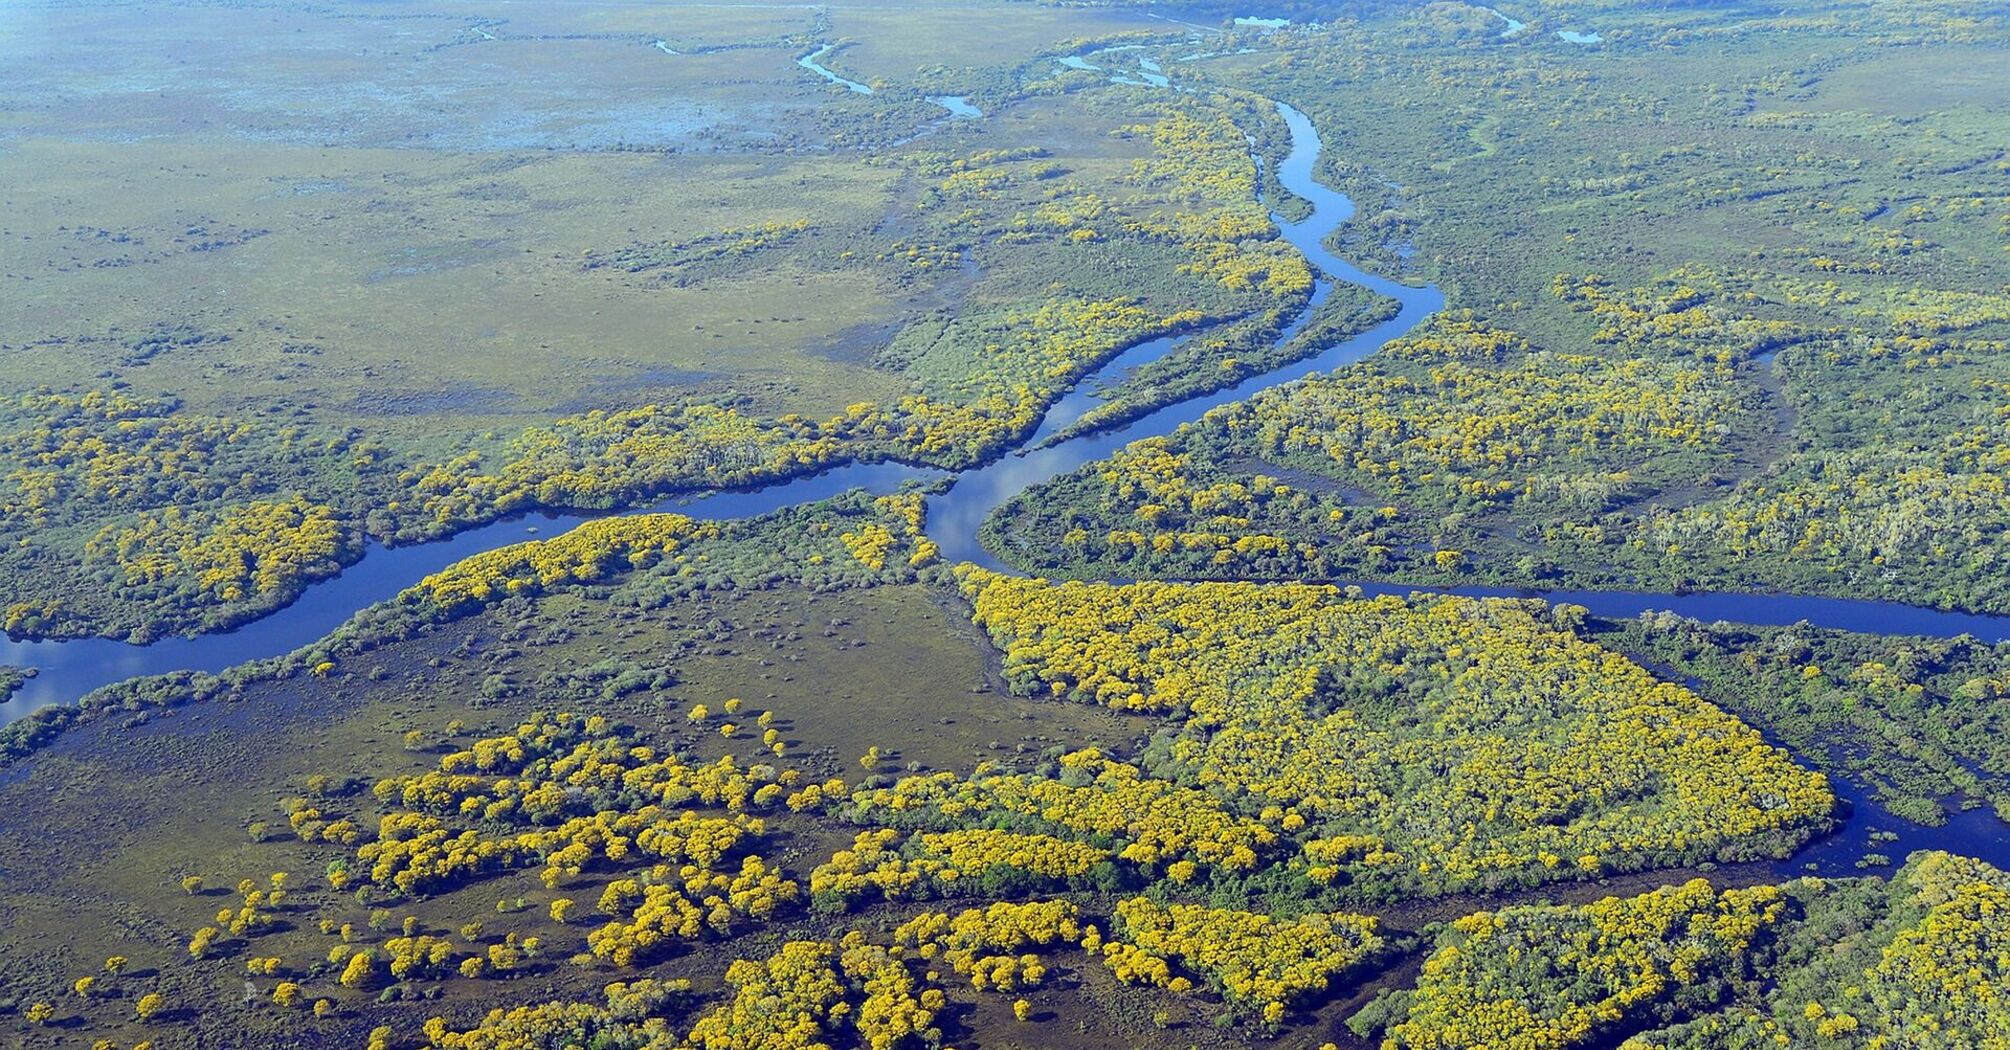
(68, 669)
(957, 105)
(813, 63)
(1514, 25)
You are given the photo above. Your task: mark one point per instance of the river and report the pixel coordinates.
(813, 63)
(69, 669)
(957, 105)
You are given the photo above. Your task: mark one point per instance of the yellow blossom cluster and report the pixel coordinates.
(562, 791)
(1460, 336)
(626, 1019)
(894, 1009)
(990, 945)
(1200, 161)
(421, 956)
(783, 1002)
(1944, 980)
(1915, 963)
(251, 548)
(1259, 962)
(877, 865)
(1859, 511)
(665, 908)
(1149, 822)
(1489, 432)
(1690, 313)
(539, 770)
(1608, 962)
(257, 911)
(110, 447)
(1468, 738)
(869, 544)
(590, 552)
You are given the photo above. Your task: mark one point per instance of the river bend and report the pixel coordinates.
(69, 669)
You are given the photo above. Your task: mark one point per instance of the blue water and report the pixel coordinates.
(1147, 74)
(1975, 833)
(810, 62)
(68, 669)
(1575, 37)
(1151, 73)
(1514, 25)
(955, 515)
(1778, 610)
(957, 105)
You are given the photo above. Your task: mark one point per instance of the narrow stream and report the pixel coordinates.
(1514, 25)
(957, 105)
(812, 62)
(69, 669)
(955, 515)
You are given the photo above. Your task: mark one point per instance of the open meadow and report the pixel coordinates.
(892, 525)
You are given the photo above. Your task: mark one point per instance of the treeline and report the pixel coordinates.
(185, 522)
(1388, 748)
(1914, 961)
(1920, 721)
(643, 561)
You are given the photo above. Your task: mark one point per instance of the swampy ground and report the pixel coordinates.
(1723, 311)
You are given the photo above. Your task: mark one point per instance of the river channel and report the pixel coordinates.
(66, 670)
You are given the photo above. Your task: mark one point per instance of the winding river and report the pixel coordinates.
(68, 669)
(957, 105)
(813, 63)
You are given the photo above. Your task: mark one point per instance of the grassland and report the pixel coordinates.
(814, 687)
(1911, 717)
(1727, 309)
(275, 278)
(1809, 264)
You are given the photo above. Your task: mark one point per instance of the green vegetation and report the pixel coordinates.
(693, 838)
(1411, 747)
(1859, 963)
(1256, 961)
(681, 845)
(1460, 426)
(1916, 961)
(1628, 234)
(1918, 720)
(827, 279)
(1727, 309)
(1613, 963)
(810, 547)
(421, 813)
